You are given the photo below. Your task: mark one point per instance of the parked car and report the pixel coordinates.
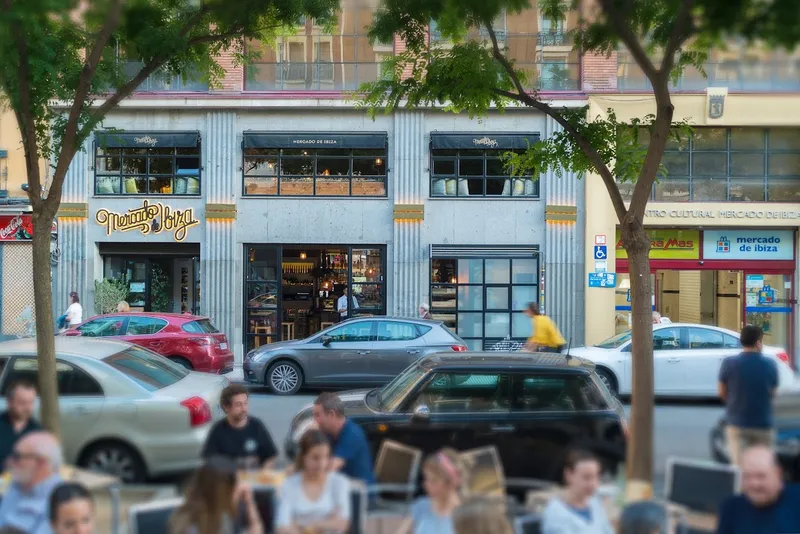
(125, 410)
(532, 407)
(188, 340)
(368, 351)
(687, 358)
(787, 436)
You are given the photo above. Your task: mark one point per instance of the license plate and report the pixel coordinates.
(223, 346)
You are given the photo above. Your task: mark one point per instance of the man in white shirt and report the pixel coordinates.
(341, 305)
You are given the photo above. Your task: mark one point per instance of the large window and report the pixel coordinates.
(731, 164)
(147, 164)
(471, 165)
(484, 299)
(292, 165)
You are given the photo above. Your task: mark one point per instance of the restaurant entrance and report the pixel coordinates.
(294, 291)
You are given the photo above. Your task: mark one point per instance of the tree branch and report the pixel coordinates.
(679, 34)
(588, 149)
(631, 42)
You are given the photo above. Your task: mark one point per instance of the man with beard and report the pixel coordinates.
(35, 465)
(18, 419)
(240, 436)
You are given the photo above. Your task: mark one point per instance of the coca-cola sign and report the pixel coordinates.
(16, 228)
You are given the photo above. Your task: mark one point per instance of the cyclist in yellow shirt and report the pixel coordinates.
(546, 337)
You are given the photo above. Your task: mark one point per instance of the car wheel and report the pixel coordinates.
(117, 460)
(608, 379)
(284, 378)
(183, 362)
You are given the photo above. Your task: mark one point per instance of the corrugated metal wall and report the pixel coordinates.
(220, 293)
(408, 253)
(563, 253)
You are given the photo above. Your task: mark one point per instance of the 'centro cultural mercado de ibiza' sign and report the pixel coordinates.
(149, 219)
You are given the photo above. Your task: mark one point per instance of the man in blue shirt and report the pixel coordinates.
(351, 454)
(747, 384)
(36, 462)
(766, 506)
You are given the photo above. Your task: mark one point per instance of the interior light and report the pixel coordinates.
(378, 161)
(303, 255)
(453, 280)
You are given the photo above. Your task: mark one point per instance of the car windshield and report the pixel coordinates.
(149, 370)
(392, 394)
(200, 326)
(616, 341)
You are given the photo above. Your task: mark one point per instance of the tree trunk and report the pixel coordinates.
(45, 337)
(640, 445)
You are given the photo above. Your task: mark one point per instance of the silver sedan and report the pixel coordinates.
(125, 411)
(368, 351)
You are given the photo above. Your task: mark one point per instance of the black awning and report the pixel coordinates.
(147, 139)
(483, 141)
(367, 140)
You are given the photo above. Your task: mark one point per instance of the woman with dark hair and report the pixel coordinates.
(71, 509)
(314, 499)
(578, 510)
(74, 311)
(644, 517)
(213, 500)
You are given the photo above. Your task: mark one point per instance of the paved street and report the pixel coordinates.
(682, 429)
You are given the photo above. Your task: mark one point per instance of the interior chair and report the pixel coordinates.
(396, 475)
(152, 517)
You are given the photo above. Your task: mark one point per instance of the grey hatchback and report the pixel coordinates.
(368, 351)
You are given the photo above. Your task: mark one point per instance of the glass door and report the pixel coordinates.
(769, 302)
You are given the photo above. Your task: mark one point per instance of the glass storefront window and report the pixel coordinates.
(477, 173)
(156, 283)
(147, 171)
(483, 299)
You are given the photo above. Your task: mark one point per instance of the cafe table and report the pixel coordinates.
(94, 482)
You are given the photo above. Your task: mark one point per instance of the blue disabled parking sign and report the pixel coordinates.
(600, 252)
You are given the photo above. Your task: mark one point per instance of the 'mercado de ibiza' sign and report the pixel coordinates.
(149, 219)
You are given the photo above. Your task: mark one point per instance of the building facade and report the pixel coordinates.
(723, 219)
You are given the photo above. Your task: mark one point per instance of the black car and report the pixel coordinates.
(532, 407)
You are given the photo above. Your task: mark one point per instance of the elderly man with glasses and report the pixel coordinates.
(35, 466)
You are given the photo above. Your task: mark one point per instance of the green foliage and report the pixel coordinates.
(44, 46)
(160, 290)
(108, 294)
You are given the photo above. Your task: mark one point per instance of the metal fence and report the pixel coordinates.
(18, 318)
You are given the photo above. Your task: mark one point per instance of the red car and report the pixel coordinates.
(189, 340)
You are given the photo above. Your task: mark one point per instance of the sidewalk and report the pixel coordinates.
(237, 375)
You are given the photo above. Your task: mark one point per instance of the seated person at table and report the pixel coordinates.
(767, 505)
(240, 436)
(18, 419)
(479, 515)
(351, 454)
(433, 514)
(71, 509)
(215, 503)
(314, 499)
(578, 510)
(35, 465)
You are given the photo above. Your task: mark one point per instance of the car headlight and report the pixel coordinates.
(303, 427)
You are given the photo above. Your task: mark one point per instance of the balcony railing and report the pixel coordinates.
(765, 76)
(161, 81)
(553, 39)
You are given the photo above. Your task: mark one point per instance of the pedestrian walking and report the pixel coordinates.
(425, 311)
(767, 505)
(240, 437)
(578, 510)
(314, 499)
(74, 314)
(216, 503)
(747, 385)
(18, 419)
(433, 513)
(545, 336)
(71, 509)
(351, 454)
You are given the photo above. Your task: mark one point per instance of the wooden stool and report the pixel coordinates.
(262, 330)
(288, 331)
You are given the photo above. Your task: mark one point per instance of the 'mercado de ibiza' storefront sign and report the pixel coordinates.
(149, 219)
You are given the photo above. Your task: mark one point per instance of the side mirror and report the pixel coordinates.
(422, 413)
(326, 340)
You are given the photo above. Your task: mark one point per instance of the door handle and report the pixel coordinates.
(673, 360)
(363, 352)
(413, 351)
(502, 428)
